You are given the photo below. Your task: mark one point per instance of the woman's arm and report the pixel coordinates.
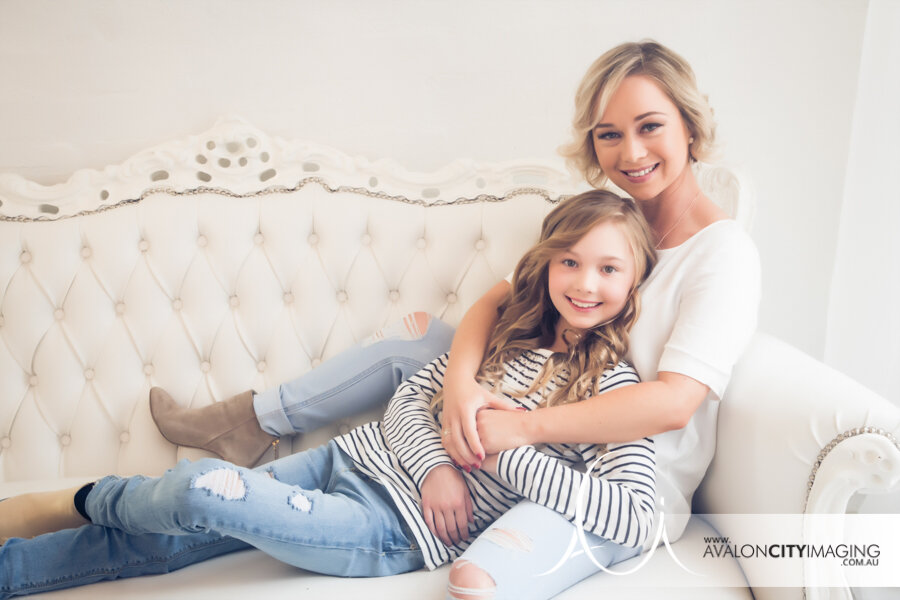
(717, 300)
(619, 415)
(463, 397)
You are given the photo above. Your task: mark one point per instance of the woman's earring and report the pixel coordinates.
(690, 141)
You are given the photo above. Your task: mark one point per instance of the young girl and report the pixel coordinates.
(359, 505)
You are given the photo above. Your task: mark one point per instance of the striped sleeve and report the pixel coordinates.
(410, 428)
(614, 499)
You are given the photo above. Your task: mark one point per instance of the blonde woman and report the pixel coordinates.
(640, 122)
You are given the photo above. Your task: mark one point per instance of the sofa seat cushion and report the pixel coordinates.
(252, 573)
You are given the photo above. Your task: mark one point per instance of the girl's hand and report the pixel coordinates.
(462, 401)
(503, 429)
(446, 504)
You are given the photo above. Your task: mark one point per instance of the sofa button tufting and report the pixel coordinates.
(177, 304)
(451, 298)
(421, 243)
(5, 443)
(288, 298)
(120, 308)
(313, 239)
(234, 302)
(394, 295)
(316, 362)
(205, 366)
(33, 381)
(366, 239)
(261, 366)
(148, 369)
(86, 252)
(25, 257)
(124, 437)
(88, 374)
(202, 241)
(342, 296)
(480, 245)
(258, 239)
(59, 314)
(65, 439)
(143, 245)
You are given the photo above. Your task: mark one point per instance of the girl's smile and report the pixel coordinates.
(590, 282)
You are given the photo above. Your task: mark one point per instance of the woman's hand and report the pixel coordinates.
(501, 430)
(463, 400)
(447, 504)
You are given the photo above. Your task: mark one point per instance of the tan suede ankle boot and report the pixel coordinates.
(228, 428)
(34, 514)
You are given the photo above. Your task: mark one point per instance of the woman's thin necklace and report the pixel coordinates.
(678, 220)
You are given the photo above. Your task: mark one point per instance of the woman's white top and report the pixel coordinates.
(698, 312)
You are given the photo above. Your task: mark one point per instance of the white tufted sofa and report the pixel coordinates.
(231, 260)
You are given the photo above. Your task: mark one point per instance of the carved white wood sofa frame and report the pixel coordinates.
(232, 260)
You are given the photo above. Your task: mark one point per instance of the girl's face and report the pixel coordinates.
(590, 282)
(640, 140)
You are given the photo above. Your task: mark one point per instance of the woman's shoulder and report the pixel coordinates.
(723, 233)
(722, 243)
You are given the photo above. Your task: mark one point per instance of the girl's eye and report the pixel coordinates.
(569, 262)
(609, 269)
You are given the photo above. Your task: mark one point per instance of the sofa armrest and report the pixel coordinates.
(795, 435)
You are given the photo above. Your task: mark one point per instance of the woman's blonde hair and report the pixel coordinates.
(528, 317)
(670, 71)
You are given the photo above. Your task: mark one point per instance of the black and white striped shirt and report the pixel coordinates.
(617, 498)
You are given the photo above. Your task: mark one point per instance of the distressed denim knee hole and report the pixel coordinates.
(300, 502)
(509, 539)
(225, 483)
(468, 581)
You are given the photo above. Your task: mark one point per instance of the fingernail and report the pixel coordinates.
(481, 456)
(478, 465)
(468, 470)
(521, 408)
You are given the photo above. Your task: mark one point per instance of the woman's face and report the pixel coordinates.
(640, 140)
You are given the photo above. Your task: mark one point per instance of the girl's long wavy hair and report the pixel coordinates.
(528, 318)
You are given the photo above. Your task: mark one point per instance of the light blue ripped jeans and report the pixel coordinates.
(532, 553)
(313, 510)
(367, 375)
(360, 378)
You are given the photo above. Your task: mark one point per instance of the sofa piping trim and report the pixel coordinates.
(280, 189)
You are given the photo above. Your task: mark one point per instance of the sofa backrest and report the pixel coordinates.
(231, 261)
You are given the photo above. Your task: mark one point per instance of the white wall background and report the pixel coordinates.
(89, 82)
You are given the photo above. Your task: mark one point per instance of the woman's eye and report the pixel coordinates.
(607, 135)
(650, 127)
